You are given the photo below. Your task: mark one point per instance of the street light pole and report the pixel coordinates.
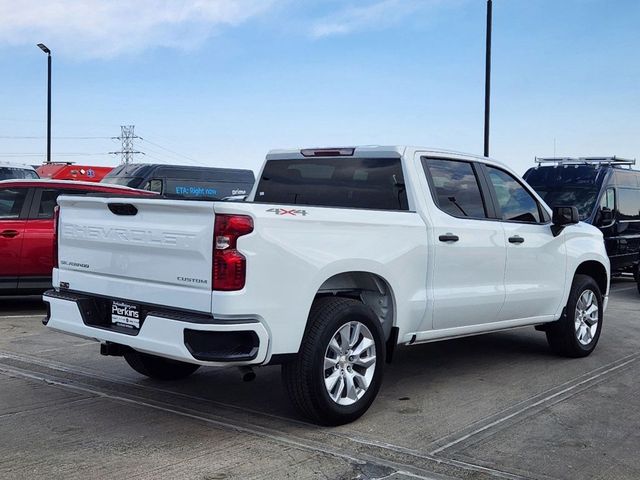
(487, 79)
(48, 52)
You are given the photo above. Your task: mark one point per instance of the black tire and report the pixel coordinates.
(304, 377)
(563, 335)
(636, 275)
(159, 368)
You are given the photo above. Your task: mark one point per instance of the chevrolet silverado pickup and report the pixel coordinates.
(338, 256)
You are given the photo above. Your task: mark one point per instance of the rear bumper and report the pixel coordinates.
(189, 338)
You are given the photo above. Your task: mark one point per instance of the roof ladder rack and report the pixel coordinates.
(586, 161)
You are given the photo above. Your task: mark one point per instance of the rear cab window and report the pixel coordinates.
(11, 173)
(367, 183)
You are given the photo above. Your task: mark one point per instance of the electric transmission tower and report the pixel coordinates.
(127, 136)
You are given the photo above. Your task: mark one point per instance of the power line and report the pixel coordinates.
(42, 153)
(181, 155)
(18, 137)
(158, 159)
(171, 158)
(127, 136)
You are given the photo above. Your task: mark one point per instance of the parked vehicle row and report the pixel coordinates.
(338, 256)
(27, 229)
(172, 181)
(26, 208)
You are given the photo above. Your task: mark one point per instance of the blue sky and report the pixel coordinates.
(222, 82)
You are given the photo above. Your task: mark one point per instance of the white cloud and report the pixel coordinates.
(90, 28)
(380, 13)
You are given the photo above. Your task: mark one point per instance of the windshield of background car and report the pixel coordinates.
(133, 182)
(10, 173)
(374, 183)
(571, 185)
(583, 198)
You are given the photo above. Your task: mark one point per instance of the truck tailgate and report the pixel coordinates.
(144, 249)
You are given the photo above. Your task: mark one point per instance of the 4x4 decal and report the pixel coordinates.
(286, 211)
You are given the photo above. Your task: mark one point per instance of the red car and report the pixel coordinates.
(26, 229)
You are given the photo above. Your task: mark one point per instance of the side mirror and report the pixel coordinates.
(563, 216)
(606, 217)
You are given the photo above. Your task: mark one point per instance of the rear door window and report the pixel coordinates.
(370, 183)
(47, 203)
(11, 202)
(456, 188)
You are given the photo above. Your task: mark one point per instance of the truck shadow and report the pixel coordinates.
(22, 305)
(445, 365)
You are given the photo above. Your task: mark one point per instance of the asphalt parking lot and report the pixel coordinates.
(494, 406)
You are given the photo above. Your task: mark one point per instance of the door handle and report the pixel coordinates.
(9, 233)
(516, 239)
(449, 237)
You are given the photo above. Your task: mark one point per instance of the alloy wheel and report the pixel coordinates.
(349, 363)
(586, 317)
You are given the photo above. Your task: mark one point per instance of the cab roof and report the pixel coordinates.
(377, 151)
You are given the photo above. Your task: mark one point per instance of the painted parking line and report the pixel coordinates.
(544, 401)
(269, 434)
(622, 289)
(298, 433)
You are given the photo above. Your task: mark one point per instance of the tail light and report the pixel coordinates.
(229, 265)
(56, 219)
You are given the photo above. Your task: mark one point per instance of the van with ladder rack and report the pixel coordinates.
(606, 192)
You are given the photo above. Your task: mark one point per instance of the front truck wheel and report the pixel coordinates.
(576, 334)
(159, 368)
(338, 370)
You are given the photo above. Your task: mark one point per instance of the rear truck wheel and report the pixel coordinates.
(636, 275)
(338, 370)
(576, 334)
(159, 368)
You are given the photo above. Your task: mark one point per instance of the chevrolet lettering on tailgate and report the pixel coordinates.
(127, 235)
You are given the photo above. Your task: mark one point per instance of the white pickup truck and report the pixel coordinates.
(338, 256)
